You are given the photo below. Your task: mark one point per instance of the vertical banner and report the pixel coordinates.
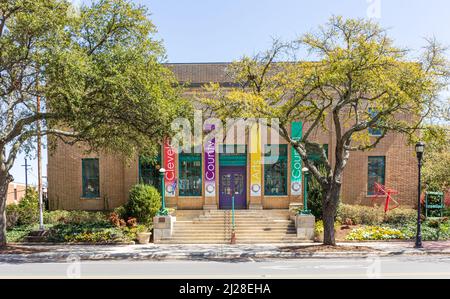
(296, 161)
(255, 160)
(210, 165)
(170, 180)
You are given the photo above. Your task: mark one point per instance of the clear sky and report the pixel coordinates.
(218, 31)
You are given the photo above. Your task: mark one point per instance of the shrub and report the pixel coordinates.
(12, 215)
(375, 233)
(74, 217)
(144, 203)
(315, 193)
(26, 212)
(400, 216)
(121, 212)
(374, 215)
(88, 232)
(432, 230)
(360, 214)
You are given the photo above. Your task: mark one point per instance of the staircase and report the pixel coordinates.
(215, 226)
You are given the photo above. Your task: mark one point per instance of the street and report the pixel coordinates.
(370, 267)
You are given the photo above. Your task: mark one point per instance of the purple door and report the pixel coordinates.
(232, 183)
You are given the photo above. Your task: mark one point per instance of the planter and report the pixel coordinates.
(143, 238)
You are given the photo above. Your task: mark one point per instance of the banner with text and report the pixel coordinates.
(296, 161)
(255, 160)
(210, 165)
(170, 158)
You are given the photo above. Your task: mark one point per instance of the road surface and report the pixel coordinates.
(372, 267)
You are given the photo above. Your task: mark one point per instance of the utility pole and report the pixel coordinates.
(38, 128)
(26, 175)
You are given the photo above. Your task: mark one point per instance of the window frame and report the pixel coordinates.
(155, 169)
(190, 158)
(383, 175)
(281, 159)
(84, 194)
(374, 132)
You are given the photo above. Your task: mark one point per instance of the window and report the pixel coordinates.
(375, 174)
(374, 131)
(275, 170)
(149, 171)
(190, 176)
(90, 174)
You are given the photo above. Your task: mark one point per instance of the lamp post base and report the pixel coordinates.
(163, 212)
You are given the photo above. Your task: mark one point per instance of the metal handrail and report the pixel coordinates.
(233, 224)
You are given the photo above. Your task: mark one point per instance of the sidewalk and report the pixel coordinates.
(63, 253)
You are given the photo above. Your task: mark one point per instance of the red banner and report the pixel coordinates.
(170, 158)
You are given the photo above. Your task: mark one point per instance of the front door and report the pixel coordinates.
(232, 183)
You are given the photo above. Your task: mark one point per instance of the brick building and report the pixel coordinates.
(206, 180)
(16, 191)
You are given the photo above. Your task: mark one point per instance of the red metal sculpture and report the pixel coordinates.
(381, 190)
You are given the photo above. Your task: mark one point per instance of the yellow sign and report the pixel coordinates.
(255, 160)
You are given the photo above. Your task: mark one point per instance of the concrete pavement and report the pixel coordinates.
(424, 266)
(61, 253)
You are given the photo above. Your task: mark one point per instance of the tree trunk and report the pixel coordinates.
(330, 203)
(5, 179)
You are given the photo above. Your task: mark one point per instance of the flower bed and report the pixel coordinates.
(375, 233)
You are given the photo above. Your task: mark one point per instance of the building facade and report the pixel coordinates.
(250, 170)
(16, 191)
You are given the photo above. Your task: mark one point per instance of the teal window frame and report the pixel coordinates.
(276, 171)
(190, 174)
(86, 178)
(375, 132)
(376, 173)
(232, 155)
(149, 172)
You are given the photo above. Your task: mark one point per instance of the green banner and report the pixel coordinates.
(296, 161)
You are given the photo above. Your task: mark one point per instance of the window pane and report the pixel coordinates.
(275, 170)
(190, 178)
(149, 172)
(375, 173)
(90, 178)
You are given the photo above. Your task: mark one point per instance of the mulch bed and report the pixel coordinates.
(20, 250)
(326, 248)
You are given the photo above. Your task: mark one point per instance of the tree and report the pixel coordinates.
(436, 170)
(98, 74)
(358, 81)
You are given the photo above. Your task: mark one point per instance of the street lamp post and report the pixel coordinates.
(420, 147)
(163, 211)
(305, 193)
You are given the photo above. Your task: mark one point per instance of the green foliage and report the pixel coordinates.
(74, 217)
(121, 212)
(400, 216)
(26, 212)
(374, 215)
(76, 227)
(18, 233)
(87, 232)
(101, 79)
(432, 230)
(144, 203)
(360, 214)
(359, 75)
(436, 170)
(375, 233)
(315, 194)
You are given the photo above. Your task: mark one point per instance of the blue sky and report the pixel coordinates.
(218, 31)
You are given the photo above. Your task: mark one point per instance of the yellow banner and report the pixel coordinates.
(255, 160)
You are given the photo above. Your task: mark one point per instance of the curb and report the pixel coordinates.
(159, 256)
